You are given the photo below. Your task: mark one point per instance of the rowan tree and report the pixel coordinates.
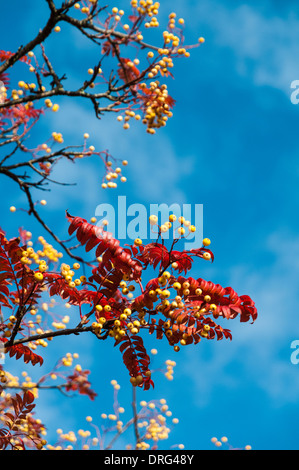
(109, 284)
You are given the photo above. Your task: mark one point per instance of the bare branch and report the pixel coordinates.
(23, 50)
(52, 334)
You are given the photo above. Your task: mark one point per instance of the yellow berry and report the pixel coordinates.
(43, 268)
(177, 286)
(133, 381)
(38, 276)
(166, 274)
(153, 219)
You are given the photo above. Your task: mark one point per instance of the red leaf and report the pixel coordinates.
(107, 246)
(20, 350)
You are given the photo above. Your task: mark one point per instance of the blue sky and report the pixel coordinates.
(232, 146)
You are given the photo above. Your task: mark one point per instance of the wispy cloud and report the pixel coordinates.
(259, 354)
(262, 45)
(155, 171)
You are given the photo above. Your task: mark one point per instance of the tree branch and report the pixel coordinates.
(52, 334)
(23, 50)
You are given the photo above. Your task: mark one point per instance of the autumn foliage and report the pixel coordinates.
(168, 302)
(180, 309)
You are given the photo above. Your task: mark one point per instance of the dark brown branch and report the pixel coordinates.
(34, 212)
(52, 334)
(23, 50)
(105, 33)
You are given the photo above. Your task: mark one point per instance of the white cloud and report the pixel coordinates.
(154, 170)
(264, 47)
(260, 351)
